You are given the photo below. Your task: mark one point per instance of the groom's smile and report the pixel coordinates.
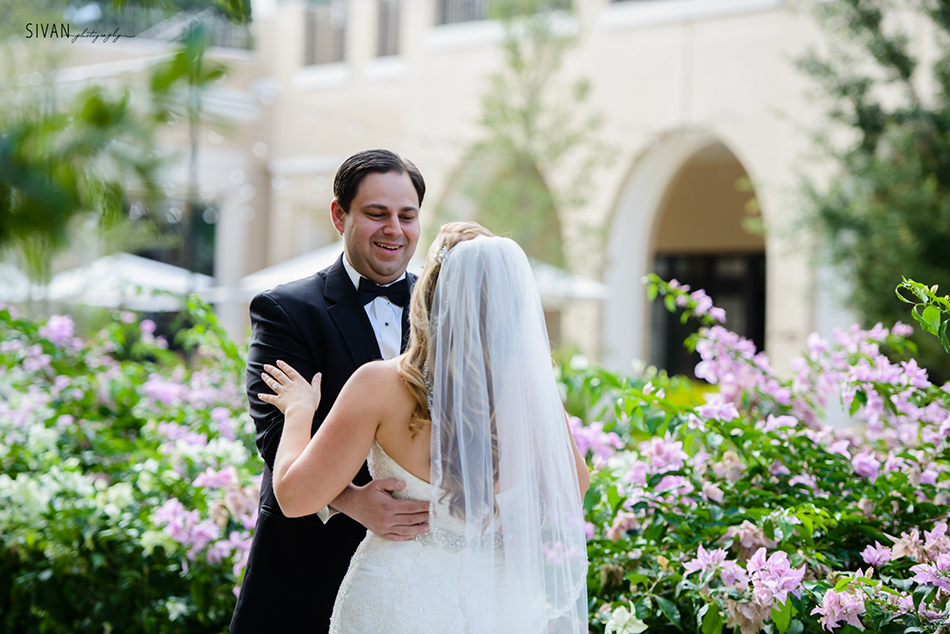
(381, 228)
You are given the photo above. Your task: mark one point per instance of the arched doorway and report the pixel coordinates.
(680, 212)
(704, 236)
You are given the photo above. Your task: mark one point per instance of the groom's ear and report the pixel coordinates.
(338, 216)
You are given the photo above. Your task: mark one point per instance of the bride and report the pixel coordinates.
(470, 418)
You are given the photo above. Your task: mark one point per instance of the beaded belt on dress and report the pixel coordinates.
(449, 540)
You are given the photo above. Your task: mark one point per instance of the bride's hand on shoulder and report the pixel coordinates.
(291, 390)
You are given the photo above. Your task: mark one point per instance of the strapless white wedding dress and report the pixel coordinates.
(411, 587)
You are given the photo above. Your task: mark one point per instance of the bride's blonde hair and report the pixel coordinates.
(411, 366)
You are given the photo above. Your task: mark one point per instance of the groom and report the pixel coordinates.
(351, 313)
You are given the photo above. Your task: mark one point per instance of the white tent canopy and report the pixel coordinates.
(554, 284)
(14, 285)
(125, 280)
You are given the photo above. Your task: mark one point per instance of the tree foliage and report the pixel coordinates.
(534, 123)
(887, 211)
(97, 154)
(57, 164)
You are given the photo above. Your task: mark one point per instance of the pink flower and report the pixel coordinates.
(914, 375)
(877, 333)
(842, 606)
(816, 345)
(703, 302)
(779, 422)
(733, 575)
(202, 534)
(865, 464)
(677, 485)
(778, 468)
(664, 454)
(216, 479)
(623, 522)
(935, 574)
(876, 555)
(902, 330)
(164, 391)
(219, 551)
(58, 329)
(593, 438)
(841, 448)
(749, 537)
(147, 326)
(805, 479)
(774, 577)
(705, 561)
(715, 407)
(730, 468)
(713, 492)
(719, 314)
(894, 463)
(177, 521)
(639, 471)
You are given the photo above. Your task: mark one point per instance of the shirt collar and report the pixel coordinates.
(355, 275)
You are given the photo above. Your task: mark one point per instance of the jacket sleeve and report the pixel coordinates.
(273, 336)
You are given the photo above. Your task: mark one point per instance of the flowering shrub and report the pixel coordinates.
(127, 492)
(128, 488)
(748, 513)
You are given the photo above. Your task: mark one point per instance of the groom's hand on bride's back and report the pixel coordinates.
(374, 507)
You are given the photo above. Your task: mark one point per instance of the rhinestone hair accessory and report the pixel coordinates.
(428, 381)
(442, 253)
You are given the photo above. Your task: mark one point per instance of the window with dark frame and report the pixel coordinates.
(735, 282)
(325, 37)
(389, 11)
(452, 11)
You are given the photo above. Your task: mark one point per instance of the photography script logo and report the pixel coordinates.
(61, 31)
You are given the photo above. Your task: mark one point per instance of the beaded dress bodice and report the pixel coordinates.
(409, 587)
(444, 527)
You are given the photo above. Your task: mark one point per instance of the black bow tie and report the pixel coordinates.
(397, 292)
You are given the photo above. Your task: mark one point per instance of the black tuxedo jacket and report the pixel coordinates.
(295, 566)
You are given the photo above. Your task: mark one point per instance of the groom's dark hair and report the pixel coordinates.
(354, 169)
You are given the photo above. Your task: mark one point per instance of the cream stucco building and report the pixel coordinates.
(710, 119)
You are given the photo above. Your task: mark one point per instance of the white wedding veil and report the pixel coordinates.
(502, 466)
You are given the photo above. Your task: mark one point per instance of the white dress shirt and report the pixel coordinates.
(386, 319)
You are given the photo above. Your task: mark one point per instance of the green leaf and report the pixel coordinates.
(942, 336)
(651, 291)
(922, 594)
(855, 405)
(670, 610)
(931, 319)
(613, 496)
(670, 302)
(782, 616)
(712, 620)
(636, 577)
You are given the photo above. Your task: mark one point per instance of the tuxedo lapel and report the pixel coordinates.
(349, 316)
(405, 313)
